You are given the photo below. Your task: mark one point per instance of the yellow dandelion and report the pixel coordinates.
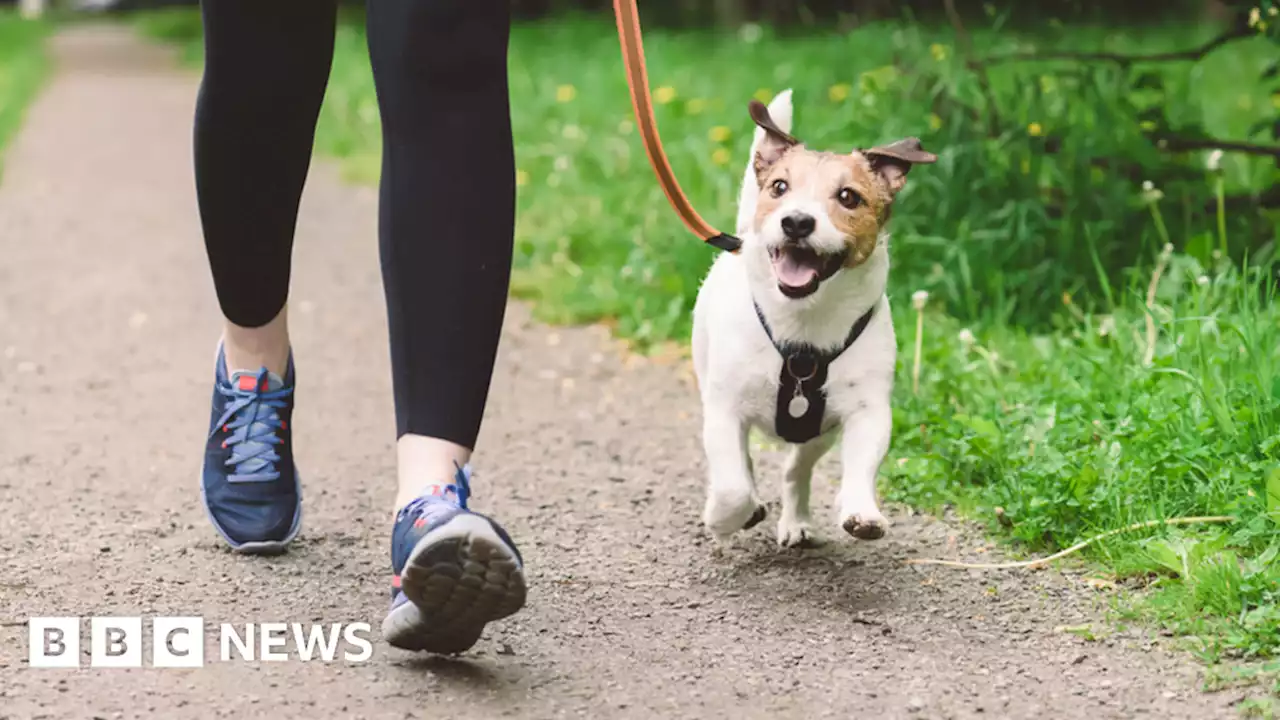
(522, 178)
(764, 95)
(939, 51)
(1035, 130)
(664, 94)
(720, 156)
(935, 122)
(719, 134)
(1026, 166)
(1147, 125)
(566, 93)
(838, 92)
(695, 106)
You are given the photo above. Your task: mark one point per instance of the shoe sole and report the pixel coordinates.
(458, 578)
(260, 547)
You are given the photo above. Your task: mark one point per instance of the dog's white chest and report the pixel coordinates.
(740, 370)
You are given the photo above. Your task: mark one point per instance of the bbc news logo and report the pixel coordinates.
(179, 642)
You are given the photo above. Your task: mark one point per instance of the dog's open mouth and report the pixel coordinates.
(800, 269)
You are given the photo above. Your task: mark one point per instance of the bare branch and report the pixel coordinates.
(1177, 143)
(1122, 59)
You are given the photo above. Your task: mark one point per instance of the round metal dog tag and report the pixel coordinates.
(798, 406)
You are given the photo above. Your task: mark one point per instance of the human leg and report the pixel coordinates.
(266, 66)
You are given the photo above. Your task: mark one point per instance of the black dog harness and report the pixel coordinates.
(802, 401)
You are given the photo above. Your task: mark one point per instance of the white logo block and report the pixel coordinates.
(53, 642)
(177, 642)
(115, 642)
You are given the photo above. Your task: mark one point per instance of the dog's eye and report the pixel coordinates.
(779, 187)
(849, 198)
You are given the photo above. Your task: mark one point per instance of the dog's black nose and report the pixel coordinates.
(798, 226)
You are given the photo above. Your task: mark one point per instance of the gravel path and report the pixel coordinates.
(591, 458)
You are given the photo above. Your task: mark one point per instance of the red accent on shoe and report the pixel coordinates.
(395, 581)
(249, 382)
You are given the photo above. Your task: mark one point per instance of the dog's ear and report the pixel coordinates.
(775, 142)
(894, 161)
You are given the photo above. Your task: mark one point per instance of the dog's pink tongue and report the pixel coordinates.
(792, 273)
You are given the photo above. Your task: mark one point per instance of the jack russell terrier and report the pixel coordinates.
(793, 335)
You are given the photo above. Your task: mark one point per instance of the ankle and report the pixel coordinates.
(253, 348)
(423, 461)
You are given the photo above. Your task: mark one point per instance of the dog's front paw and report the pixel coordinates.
(865, 525)
(793, 532)
(724, 516)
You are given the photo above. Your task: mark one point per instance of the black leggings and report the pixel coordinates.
(447, 202)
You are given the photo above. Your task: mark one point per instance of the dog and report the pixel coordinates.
(792, 335)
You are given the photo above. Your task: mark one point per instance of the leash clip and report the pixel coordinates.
(629, 36)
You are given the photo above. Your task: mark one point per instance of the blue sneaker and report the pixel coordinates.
(249, 485)
(455, 571)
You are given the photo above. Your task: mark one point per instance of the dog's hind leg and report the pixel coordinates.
(794, 529)
(732, 503)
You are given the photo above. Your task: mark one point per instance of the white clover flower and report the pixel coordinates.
(967, 339)
(1217, 255)
(750, 33)
(1202, 280)
(1167, 250)
(919, 298)
(1214, 162)
(1150, 193)
(1107, 326)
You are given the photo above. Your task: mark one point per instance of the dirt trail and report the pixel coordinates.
(107, 330)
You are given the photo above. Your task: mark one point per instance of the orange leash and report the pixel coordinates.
(628, 16)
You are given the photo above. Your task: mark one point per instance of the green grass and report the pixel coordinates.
(23, 67)
(1043, 258)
